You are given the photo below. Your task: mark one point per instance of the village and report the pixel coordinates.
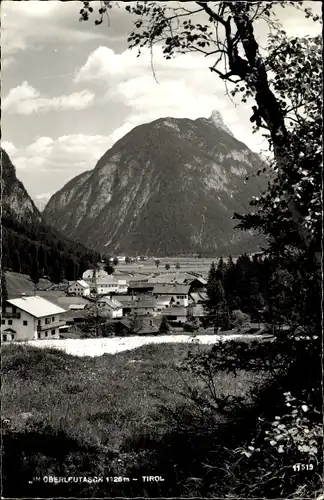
(99, 304)
(143, 302)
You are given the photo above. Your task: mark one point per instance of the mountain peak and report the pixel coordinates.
(184, 176)
(217, 119)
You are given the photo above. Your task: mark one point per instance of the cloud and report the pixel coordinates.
(184, 87)
(26, 24)
(25, 99)
(8, 61)
(53, 162)
(68, 153)
(42, 198)
(9, 147)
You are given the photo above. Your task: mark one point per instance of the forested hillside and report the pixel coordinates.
(29, 245)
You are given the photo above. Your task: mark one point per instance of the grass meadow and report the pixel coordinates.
(125, 415)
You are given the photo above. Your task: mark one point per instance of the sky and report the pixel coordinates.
(71, 89)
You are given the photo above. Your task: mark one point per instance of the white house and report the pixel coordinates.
(80, 288)
(110, 307)
(109, 284)
(89, 274)
(30, 318)
(175, 294)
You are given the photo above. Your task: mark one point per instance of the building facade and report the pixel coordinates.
(79, 288)
(30, 318)
(177, 295)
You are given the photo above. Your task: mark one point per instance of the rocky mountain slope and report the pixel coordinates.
(167, 187)
(29, 245)
(15, 200)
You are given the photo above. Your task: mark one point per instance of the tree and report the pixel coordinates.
(240, 319)
(177, 266)
(16, 261)
(228, 38)
(285, 83)
(115, 262)
(135, 324)
(4, 291)
(109, 268)
(35, 274)
(164, 326)
(221, 269)
(167, 267)
(157, 263)
(216, 306)
(128, 260)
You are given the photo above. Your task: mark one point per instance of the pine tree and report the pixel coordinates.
(4, 291)
(216, 308)
(16, 262)
(164, 326)
(221, 269)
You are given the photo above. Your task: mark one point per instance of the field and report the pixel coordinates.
(187, 264)
(21, 283)
(124, 415)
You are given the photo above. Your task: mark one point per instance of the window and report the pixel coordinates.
(4, 337)
(3, 321)
(39, 322)
(47, 321)
(53, 331)
(25, 323)
(9, 321)
(53, 318)
(38, 335)
(12, 336)
(45, 334)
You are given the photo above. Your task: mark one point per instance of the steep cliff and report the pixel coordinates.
(16, 202)
(29, 245)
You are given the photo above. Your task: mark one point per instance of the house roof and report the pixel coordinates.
(192, 279)
(64, 300)
(201, 296)
(162, 301)
(83, 283)
(135, 304)
(112, 304)
(36, 306)
(124, 298)
(175, 311)
(171, 289)
(142, 284)
(110, 280)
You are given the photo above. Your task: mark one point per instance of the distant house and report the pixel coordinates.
(140, 288)
(141, 326)
(162, 303)
(178, 294)
(30, 318)
(148, 326)
(197, 285)
(178, 314)
(140, 307)
(107, 285)
(89, 274)
(110, 307)
(79, 287)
